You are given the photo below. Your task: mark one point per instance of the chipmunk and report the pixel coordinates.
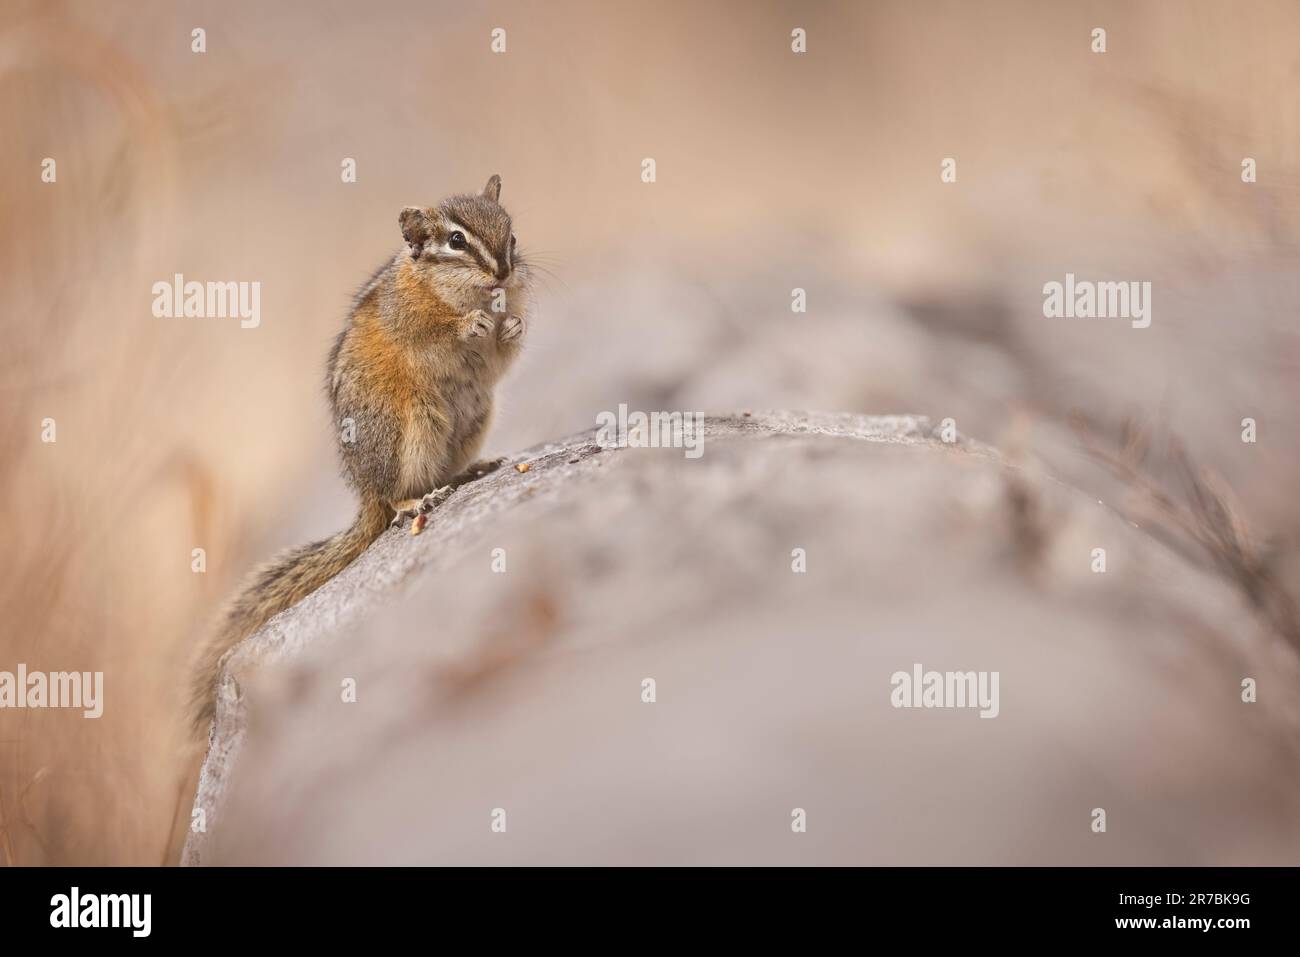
(410, 380)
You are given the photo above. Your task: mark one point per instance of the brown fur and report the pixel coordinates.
(410, 382)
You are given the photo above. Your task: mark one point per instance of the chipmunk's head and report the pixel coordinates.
(464, 246)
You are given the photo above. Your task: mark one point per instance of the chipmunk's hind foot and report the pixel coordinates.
(476, 471)
(417, 509)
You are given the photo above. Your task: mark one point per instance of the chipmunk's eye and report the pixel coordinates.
(456, 240)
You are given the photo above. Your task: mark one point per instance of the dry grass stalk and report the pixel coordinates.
(1202, 518)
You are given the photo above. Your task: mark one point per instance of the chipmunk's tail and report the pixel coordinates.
(273, 588)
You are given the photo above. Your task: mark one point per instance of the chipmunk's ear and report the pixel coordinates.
(493, 188)
(416, 228)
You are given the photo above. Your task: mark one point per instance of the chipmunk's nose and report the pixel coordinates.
(503, 272)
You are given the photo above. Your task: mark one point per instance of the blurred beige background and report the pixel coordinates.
(774, 171)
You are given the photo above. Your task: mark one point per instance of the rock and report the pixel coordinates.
(500, 662)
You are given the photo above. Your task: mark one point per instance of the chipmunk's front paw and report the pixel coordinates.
(477, 325)
(512, 327)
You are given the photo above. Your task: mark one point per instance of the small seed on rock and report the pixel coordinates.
(522, 467)
(417, 526)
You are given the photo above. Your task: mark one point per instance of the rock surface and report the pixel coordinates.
(500, 659)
